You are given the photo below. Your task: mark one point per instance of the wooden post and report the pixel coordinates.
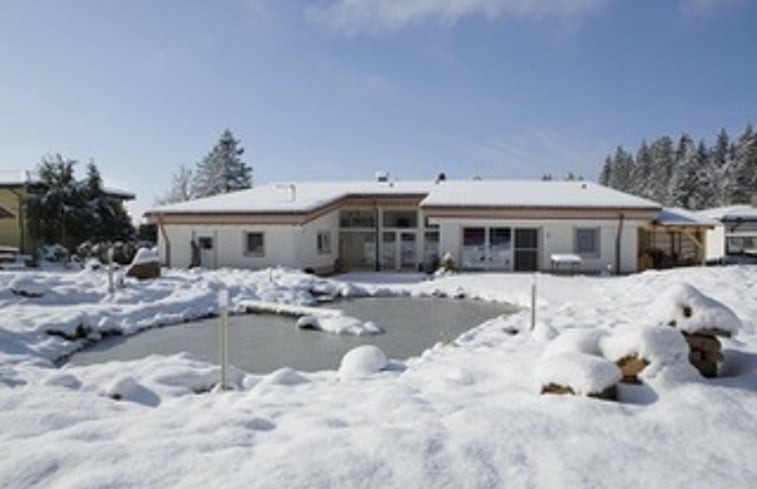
(533, 302)
(223, 337)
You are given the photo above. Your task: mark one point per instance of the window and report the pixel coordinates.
(400, 219)
(357, 219)
(324, 242)
(205, 243)
(587, 242)
(254, 244)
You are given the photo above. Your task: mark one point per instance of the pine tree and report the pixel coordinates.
(222, 170)
(744, 168)
(686, 174)
(641, 178)
(659, 184)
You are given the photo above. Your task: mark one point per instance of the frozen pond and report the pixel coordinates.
(261, 343)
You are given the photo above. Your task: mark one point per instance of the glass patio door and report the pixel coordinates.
(398, 250)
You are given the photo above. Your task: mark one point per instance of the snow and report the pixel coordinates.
(338, 324)
(685, 308)
(308, 196)
(516, 193)
(145, 255)
(676, 216)
(731, 213)
(583, 373)
(462, 414)
(362, 361)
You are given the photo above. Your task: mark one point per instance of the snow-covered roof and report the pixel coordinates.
(19, 178)
(731, 213)
(293, 196)
(522, 193)
(308, 196)
(676, 216)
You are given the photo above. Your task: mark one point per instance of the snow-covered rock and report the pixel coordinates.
(362, 361)
(658, 346)
(338, 324)
(145, 255)
(28, 286)
(127, 389)
(582, 340)
(687, 309)
(584, 374)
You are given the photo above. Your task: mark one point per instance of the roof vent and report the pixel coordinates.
(441, 177)
(382, 176)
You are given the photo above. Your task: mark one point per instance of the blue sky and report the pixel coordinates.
(337, 89)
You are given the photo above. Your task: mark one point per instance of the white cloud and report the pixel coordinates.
(352, 15)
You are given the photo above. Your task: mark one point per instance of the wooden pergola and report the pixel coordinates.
(675, 239)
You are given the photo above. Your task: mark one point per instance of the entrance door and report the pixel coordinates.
(526, 250)
(207, 251)
(398, 250)
(408, 259)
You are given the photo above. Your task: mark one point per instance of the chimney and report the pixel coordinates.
(382, 176)
(441, 177)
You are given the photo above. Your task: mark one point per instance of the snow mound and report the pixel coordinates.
(62, 380)
(337, 324)
(362, 361)
(27, 286)
(285, 376)
(145, 255)
(687, 309)
(652, 343)
(583, 373)
(576, 340)
(128, 389)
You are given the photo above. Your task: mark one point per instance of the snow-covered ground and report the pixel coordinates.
(462, 415)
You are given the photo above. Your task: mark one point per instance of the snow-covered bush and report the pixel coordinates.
(362, 361)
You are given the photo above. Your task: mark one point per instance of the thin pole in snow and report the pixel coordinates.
(111, 282)
(223, 337)
(533, 302)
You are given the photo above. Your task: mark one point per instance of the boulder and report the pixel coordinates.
(704, 352)
(144, 271)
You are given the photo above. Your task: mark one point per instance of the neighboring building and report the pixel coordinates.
(734, 239)
(15, 190)
(391, 225)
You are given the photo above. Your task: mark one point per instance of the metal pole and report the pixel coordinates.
(223, 304)
(533, 303)
(111, 283)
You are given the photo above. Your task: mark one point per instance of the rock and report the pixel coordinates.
(578, 374)
(705, 354)
(631, 367)
(144, 271)
(608, 394)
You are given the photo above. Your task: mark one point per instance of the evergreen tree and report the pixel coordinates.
(641, 178)
(659, 185)
(687, 174)
(744, 168)
(222, 170)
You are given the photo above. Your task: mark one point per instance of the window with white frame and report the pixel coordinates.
(324, 242)
(587, 242)
(254, 244)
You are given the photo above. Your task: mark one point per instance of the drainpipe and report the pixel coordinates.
(165, 238)
(618, 239)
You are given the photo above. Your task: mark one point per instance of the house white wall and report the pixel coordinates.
(715, 243)
(557, 236)
(286, 245)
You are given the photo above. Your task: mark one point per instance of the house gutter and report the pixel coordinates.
(618, 239)
(159, 218)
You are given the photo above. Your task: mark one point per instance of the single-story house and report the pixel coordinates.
(734, 238)
(408, 225)
(16, 187)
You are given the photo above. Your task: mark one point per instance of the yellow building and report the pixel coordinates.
(15, 190)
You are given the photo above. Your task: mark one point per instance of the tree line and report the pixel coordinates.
(220, 171)
(686, 173)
